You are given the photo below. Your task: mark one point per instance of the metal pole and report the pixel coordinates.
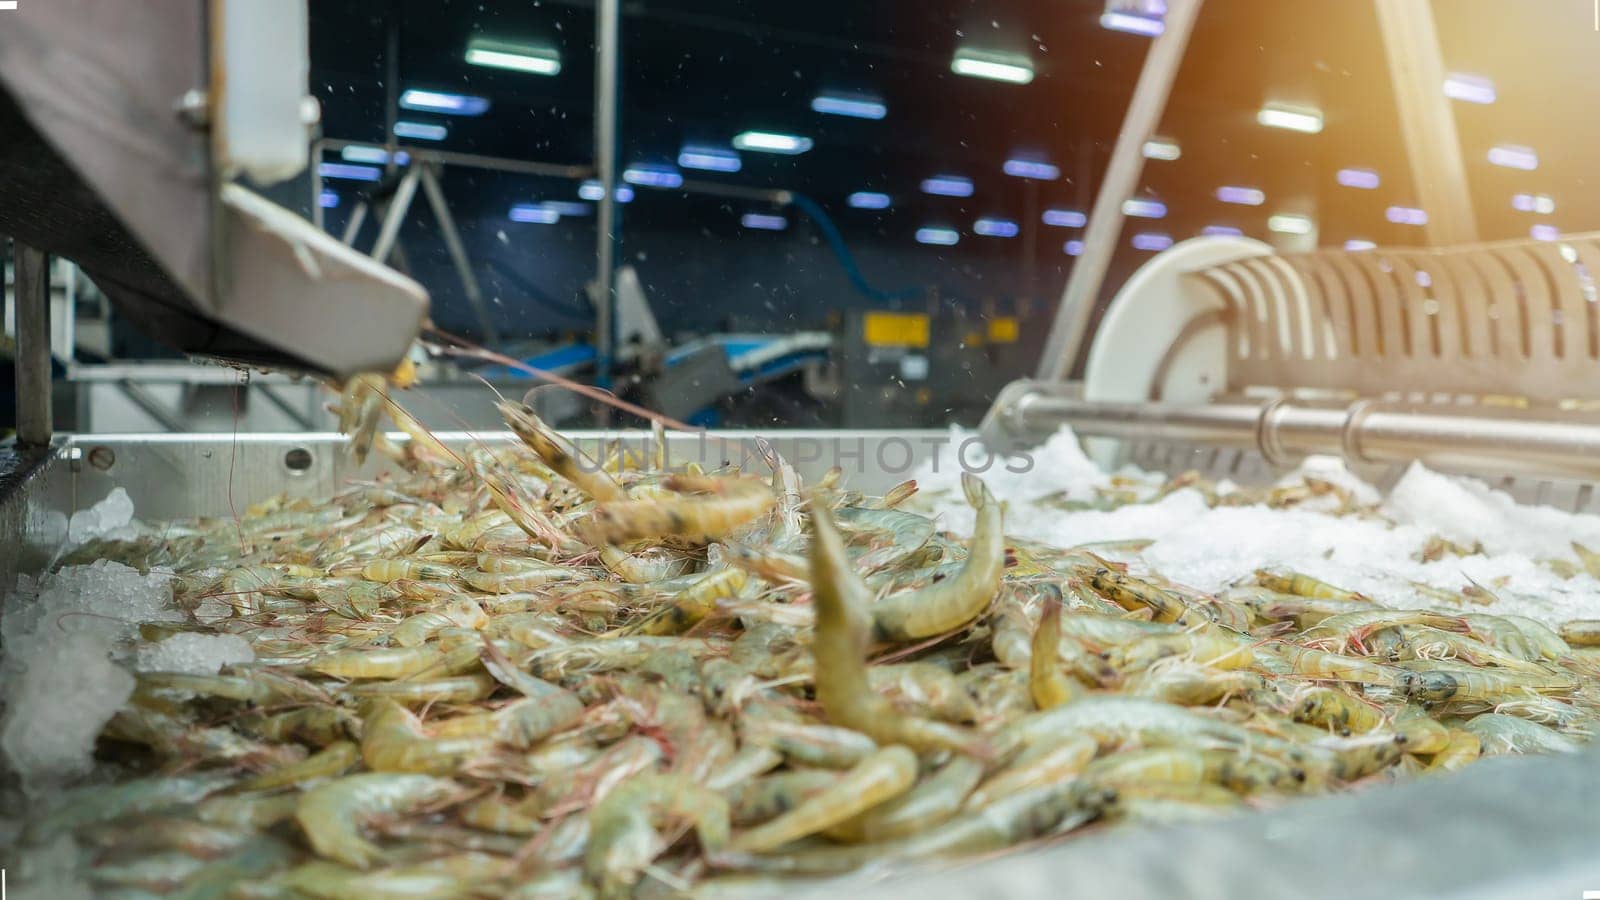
(395, 215)
(1121, 179)
(1433, 147)
(458, 253)
(33, 345)
(607, 26)
(391, 85)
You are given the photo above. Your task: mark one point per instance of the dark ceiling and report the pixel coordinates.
(704, 70)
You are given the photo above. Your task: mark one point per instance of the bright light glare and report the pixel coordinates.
(1029, 168)
(1406, 215)
(1365, 179)
(1144, 209)
(435, 101)
(1244, 196)
(1543, 204)
(1072, 248)
(534, 214)
(1162, 148)
(1132, 24)
(517, 58)
(709, 159)
(328, 199)
(1151, 240)
(939, 237)
(1284, 223)
(947, 186)
(349, 173)
(1222, 230)
(856, 107)
(652, 176)
(993, 66)
(1355, 245)
(1293, 118)
(420, 131)
(1512, 156)
(592, 190)
(868, 200)
(988, 227)
(772, 142)
(763, 222)
(1064, 218)
(1471, 88)
(1545, 232)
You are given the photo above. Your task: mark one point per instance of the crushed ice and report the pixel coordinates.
(1210, 548)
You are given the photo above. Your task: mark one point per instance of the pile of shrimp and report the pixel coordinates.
(516, 671)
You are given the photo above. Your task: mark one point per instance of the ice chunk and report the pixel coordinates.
(57, 705)
(109, 516)
(194, 654)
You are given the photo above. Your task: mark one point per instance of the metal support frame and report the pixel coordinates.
(458, 252)
(395, 215)
(608, 14)
(1149, 101)
(34, 421)
(1427, 124)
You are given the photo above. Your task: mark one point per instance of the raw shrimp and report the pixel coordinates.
(879, 777)
(333, 813)
(957, 600)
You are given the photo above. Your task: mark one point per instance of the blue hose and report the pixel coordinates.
(846, 261)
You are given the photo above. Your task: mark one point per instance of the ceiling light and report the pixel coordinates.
(772, 142)
(1471, 88)
(534, 214)
(868, 200)
(1151, 240)
(349, 173)
(709, 159)
(420, 131)
(856, 107)
(1162, 148)
(1293, 118)
(1542, 204)
(1005, 67)
(1222, 231)
(516, 57)
(763, 222)
(1028, 168)
(988, 227)
(1406, 215)
(1545, 232)
(1358, 244)
(1244, 196)
(1365, 179)
(328, 199)
(1072, 248)
(653, 176)
(592, 190)
(1144, 209)
(1132, 24)
(939, 237)
(947, 186)
(436, 101)
(1064, 218)
(1284, 223)
(1512, 156)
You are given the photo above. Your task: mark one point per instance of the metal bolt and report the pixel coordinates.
(102, 458)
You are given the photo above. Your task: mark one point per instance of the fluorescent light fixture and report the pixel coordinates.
(1072, 248)
(939, 237)
(569, 208)
(709, 159)
(1355, 245)
(763, 222)
(947, 186)
(1006, 67)
(854, 106)
(1064, 218)
(1132, 24)
(1285, 223)
(516, 57)
(1512, 156)
(653, 176)
(1542, 204)
(1406, 215)
(1031, 168)
(420, 131)
(1222, 230)
(348, 172)
(1545, 232)
(1144, 209)
(1151, 240)
(868, 200)
(534, 214)
(439, 102)
(1293, 118)
(328, 199)
(1365, 179)
(378, 155)
(772, 142)
(592, 190)
(989, 227)
(1162, 148)
(1471, 88)
(1243, 196)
